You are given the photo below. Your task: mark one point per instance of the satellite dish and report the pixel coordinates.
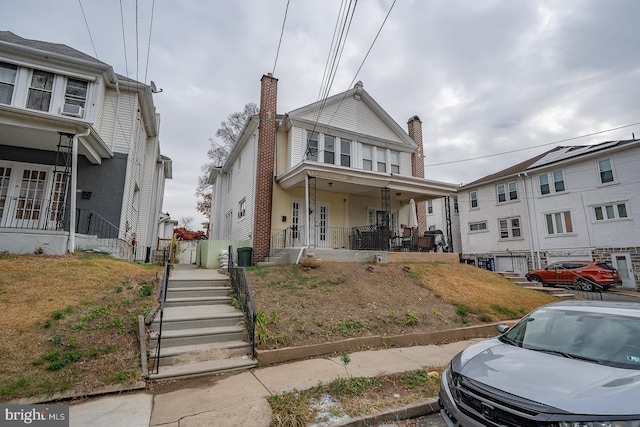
(154, 88)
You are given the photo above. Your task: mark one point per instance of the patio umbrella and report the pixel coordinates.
(413, 216)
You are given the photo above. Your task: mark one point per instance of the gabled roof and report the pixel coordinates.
(335, 103)
(554, 156)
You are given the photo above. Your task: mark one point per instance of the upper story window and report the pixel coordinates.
(507, 192)
(75, 94)
(394, 158)
(312, 146)
(367, 157)
(456, 209)
(329, 149)
(381, 162)
(7, 82)
(559, 223)
(558, 183)
(613, 211)
(345, 152)
(478, 226)
(473, 199)
(509, 228)
(606, 171)
(40, 90)
(429, 206)
(242, 206)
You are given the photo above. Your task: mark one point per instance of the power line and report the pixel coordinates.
(88, 30)
(124, 40)
(146, 71)
(532, 147)
(280, 41)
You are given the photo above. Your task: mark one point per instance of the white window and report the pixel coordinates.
(559, 223)
(477, 226)
(242, 205)
(40, 91)
(429, 206)
(345, 152)
(228, 221)
(367, 157)
(76, 93)
(329, 149)
(312, 146)
(381, 161)
(613, 211)
(507, 192)
(456, 209)
(509, 228)
(7, 82)
(394, 158)
(606, 171)
(473, 199)
(558, 183)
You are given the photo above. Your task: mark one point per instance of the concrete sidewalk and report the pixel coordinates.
(240, 399)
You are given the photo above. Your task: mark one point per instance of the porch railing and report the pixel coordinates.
(370, 237)
(322, 237)
(242, 293)
(30, 214)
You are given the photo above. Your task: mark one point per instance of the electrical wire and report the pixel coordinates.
(124, 40)
(532, 147)
(88, 30)
(146, 70)
(280, 41)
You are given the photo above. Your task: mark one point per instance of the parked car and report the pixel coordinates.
(583, 274)
(566, 364)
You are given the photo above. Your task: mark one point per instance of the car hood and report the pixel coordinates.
(570, 385)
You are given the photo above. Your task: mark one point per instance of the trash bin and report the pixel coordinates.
(245, 257)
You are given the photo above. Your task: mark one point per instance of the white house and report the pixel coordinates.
(80, 161)
(336, 174)
(570, 203)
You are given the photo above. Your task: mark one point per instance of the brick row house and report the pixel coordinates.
(570, 203)
(80, 159)
(337, 174)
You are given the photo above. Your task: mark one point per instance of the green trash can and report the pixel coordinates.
(245, 257)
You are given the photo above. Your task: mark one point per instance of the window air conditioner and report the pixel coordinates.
(72, 110)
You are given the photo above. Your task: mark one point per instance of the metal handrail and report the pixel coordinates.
(242, 293)
(163, 298)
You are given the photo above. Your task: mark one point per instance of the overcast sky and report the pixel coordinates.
(486, 77)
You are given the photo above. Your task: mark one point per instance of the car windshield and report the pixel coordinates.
(603, 338)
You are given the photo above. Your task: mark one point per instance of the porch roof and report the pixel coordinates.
(40, 131)
(345, 180)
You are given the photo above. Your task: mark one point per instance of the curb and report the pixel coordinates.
(414, 410)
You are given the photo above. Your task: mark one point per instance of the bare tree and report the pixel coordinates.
(186, 222)
(219, 149)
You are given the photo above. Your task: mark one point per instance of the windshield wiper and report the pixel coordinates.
(506, 340)
(567, 355)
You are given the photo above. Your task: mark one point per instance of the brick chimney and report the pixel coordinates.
(265, 168)
(417, 167)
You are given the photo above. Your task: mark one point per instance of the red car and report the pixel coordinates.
(583, 274)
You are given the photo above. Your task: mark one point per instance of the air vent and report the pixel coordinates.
(72, 110)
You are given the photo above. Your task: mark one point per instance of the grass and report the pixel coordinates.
(70, 322)
(353, 396)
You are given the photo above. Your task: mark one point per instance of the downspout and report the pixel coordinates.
(115, 124)
(74, 185)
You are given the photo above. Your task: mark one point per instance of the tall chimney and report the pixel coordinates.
(417, 167)
(265, 168)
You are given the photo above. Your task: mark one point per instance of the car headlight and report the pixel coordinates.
(629, 423)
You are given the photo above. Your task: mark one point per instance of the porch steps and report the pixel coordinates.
(559, 293)
(202, 333)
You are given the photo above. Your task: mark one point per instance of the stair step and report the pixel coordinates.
(188, 292)
(197, 283)
(208, 322)
(198, 369)
(198, 336)
(185, 354)
(174, 302)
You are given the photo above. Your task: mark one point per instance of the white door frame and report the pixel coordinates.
(627, 276)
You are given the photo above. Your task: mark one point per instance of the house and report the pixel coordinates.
(80, 160)
(569, 203)
(443, 216)
(337, 174)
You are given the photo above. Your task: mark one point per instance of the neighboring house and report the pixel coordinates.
(80, 161)
(443, 215)
(336, 174)
(570, 203)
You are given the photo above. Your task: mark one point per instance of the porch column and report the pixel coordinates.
(73, 189)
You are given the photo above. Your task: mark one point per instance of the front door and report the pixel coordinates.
(622, 263)
(23, 195)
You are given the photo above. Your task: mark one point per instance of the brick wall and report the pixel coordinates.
(265, 168)
(417, 167)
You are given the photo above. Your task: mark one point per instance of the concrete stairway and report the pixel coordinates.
(560, 293)
(202, 333)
